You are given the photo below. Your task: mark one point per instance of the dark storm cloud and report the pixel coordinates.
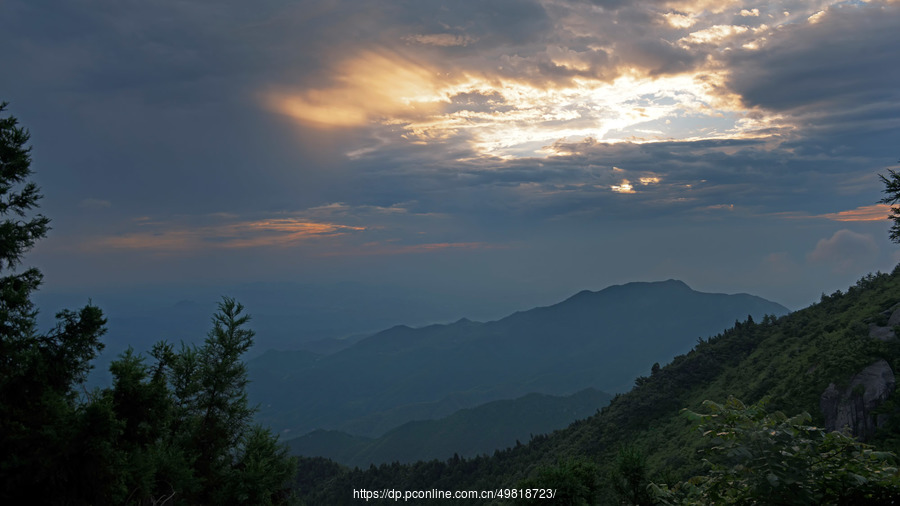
(525, 40)
(844, 61)
(488, 22)
(585, 182)
(691, 176)
(157, 103)
(81, 47)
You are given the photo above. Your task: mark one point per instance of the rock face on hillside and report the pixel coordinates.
(852, 407)
(886, 333)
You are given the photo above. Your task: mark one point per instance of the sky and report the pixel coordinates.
(459, 158)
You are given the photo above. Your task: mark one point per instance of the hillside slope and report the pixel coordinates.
(793, 360)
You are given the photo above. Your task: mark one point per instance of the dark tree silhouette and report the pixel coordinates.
(178, 431)
(892, 190)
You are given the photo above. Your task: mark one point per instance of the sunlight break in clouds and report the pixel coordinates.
(522, 118)
(713, 34)
(520, 99)
(623, 187)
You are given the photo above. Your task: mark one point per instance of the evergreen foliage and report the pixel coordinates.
(629, 478)
(39, 373)
(892, 190)
(177, 431)
(575, 482)
(756, 457)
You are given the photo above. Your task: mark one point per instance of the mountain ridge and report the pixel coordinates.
(543, 350)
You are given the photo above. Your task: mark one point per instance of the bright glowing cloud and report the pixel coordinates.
(528, 119)
(713, 35)
(623, 187)
(815, 18)
(677, 20)
(523, 102)
(373, 85)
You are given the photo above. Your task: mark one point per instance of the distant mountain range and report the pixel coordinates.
(598, 339)
(836, 361)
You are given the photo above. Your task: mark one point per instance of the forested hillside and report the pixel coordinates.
(790, 361)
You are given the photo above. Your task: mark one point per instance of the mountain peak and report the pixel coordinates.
(671, 284)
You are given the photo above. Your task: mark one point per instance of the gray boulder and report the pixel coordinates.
(886, 333)
(852, 407)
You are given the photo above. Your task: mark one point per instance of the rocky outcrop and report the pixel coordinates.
(852, 407)
(886, 333)
(881, 333)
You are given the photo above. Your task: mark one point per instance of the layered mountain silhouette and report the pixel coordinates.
(602, 339)
(468, 432)
(834, 362)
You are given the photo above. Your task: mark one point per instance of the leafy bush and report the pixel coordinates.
(757, 457)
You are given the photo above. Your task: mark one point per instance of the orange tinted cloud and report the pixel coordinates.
(244, 234)
(375, 84)
(875, 212)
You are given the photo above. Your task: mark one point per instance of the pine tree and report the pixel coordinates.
(892, 190)
(39, 373)
(235, 461)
